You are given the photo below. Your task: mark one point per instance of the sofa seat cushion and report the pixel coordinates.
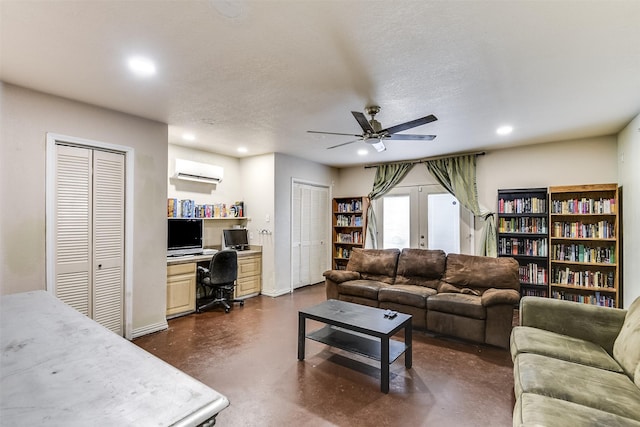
(415, 296)
(536, 410)
(361, 288)
(467, 305)
(525, 339)
(585, 385)
(626, 348)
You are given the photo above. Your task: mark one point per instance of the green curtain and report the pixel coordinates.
(387, 176)
(458, 176)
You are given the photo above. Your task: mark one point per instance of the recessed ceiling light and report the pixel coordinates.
(142, 66)
(188, 137)
(363, 152)
(242, 150)
(504, 130)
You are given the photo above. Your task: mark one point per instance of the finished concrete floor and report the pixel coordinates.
(250, 356)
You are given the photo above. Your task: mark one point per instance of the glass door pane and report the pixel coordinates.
(396, 222)
(443, 222)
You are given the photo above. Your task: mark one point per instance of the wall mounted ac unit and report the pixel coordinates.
(199, 172)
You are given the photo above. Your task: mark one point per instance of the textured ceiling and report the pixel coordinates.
(261, 73)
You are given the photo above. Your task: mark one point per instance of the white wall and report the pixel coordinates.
(629, 179)
(585, 161)
(26, 117)
(229, 191)
(575, 162)
(288, 168)
(258, 181)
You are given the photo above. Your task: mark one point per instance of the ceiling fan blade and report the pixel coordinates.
(364, 123)
(406, 137)
(344, 143)
(334, 133)
(379, 146)
(412, 124)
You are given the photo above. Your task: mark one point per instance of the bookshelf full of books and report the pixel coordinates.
(522, 234)
(349, 226)
(584, 257)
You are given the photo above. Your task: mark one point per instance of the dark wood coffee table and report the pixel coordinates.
(358, 329)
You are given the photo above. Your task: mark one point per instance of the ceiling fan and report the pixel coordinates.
(373, 133)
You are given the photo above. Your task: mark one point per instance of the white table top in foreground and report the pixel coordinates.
(60, 368)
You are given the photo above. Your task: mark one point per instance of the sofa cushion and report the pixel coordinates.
(415, 296)
(536, 410)
(532, 340)
(470, 271)
(361, 288)
(461, 304)
(626, 348)
(374, 264)
(585, 385)
(421, 267)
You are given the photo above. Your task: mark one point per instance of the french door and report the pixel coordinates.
(424, 217)
(310, 232)
(88, 235)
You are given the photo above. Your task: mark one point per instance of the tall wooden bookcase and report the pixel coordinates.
(584, 247)
(523, 235)
(349, 224)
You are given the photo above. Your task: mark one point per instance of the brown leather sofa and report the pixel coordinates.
(465, 296)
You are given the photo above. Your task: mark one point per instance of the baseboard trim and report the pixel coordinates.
(276, 294)
(149, 329)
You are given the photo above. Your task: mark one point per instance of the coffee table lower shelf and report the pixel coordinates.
(355, 342)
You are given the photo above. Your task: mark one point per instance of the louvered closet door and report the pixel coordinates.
(108, 238)
(73, 235)
(309, 234)
(89, 232)
(318, 233)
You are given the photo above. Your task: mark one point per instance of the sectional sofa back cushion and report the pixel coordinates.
(480, 272)
(626, 348)
(374, 264)
(422, 267)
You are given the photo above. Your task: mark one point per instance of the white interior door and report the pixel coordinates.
(73, 236)
(89, 233)
(309, 233)
(108, 232)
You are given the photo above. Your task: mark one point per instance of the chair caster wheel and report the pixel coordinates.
(226, 310)
(241, 303)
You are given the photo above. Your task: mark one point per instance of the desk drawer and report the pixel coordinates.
(177, 269)
(249, 266)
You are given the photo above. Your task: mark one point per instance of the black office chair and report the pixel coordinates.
(216, 283)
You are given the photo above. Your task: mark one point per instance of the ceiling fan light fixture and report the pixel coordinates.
(379, 146)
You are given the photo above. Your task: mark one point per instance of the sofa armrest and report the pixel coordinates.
(600, 325)
(340, 276)
(495, 296)
(333, 277)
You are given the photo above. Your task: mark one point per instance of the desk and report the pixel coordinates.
(181, 279)
(60, 368)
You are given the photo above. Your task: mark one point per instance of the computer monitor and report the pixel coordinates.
(235, 238)
(184, 236)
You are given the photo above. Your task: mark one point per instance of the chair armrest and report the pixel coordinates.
(339, 276)
(600, 325)
(493, 296)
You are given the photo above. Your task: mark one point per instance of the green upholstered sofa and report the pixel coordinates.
(576, 364)
(469, 297)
